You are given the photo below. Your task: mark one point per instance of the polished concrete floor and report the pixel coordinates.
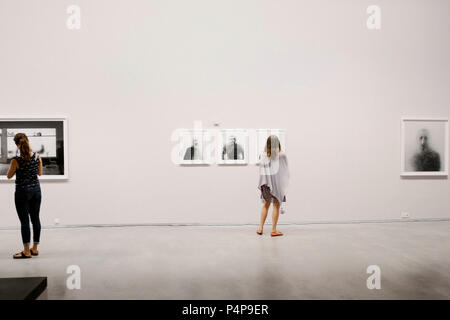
(322, 261)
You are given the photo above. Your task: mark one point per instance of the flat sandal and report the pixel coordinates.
(22, 256)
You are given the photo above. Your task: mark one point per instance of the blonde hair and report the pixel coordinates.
(272, 144)
(21, 141)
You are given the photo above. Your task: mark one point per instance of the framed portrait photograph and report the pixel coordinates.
(232, 146)
(425, 147)
(192, 147)
(47, 137)
(261, 140)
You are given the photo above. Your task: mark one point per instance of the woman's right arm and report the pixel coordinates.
(12, 168)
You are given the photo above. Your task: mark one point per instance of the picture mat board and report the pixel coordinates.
(261, 138)
(438, 129)
(223, 138)
(186, 139)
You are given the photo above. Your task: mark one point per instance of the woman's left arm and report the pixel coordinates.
(12, 168)
(286, 165)
(40, 166)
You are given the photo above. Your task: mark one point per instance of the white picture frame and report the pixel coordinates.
(193, 147)
(261, 140)
(424, 143)
(51, 159)
(227, 155)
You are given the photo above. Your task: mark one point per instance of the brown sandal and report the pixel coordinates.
(259, 232)
(276, 234)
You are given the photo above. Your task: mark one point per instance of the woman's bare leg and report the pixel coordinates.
(264, 211)
(275, 215)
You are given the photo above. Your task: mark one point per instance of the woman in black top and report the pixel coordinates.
(27, 166)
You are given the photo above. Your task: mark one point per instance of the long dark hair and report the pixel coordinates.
(272, 144)
(23, 144)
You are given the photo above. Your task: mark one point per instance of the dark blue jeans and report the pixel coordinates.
(28, 205)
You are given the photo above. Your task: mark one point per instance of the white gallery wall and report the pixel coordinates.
(137, 70)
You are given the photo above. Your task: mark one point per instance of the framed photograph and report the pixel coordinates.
(192, 147)
(425, 147)
(232, 146)
(47, 137)
(261, 140)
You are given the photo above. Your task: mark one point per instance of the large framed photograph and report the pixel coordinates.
(192, 147)
(261, 140)
(425, 147)
(232, 146)
(47, 137)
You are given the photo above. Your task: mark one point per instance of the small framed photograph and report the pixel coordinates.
(261, 140)
(232, 146)
(425, 147)
(47, 137)
(192, 147)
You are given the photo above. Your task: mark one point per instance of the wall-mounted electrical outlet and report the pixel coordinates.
(405, 215)
(56, 221)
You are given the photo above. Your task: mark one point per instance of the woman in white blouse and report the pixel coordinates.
(273, 182)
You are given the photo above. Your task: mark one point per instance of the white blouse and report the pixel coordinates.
(274, 172)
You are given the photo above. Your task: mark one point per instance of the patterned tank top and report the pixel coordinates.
(27, 173)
